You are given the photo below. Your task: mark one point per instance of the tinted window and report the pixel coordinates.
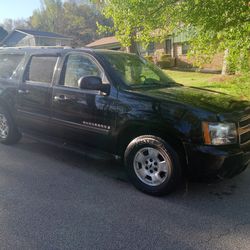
(78, 66)
(41, 69)
(9, 64)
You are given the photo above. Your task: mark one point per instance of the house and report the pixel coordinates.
(106, 43)
(24, 37)
(175, 47)
(3, 33)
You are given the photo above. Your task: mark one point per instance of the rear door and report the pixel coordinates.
(34, 93)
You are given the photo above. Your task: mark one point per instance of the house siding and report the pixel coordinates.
(178, 51)
(27, 41)
(175, 47)
(47, 41)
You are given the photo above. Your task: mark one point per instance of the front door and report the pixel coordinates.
(83, 115)
(34, 93)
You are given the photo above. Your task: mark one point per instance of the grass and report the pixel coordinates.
(238, 86)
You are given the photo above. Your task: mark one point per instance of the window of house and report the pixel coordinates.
(168, 46)
(151, 48)
(185, 48)
(41, 69)
(78, 66)
(9, 64)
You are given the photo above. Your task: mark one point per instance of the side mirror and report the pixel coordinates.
(93, 83)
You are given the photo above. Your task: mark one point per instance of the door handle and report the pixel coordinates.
(61, 98)
(23, 91)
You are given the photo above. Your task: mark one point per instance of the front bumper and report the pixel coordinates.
(224, 162)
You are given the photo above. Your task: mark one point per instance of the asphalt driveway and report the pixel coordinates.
(52, 198)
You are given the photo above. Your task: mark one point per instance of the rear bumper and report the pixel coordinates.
(215, 161)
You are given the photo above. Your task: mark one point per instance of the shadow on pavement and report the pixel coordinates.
(115, 170)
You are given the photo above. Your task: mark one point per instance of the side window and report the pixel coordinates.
(78, 66)
(41, 69)
(9, 64)
(185, 48)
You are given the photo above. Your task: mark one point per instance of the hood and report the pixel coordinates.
(207, 100)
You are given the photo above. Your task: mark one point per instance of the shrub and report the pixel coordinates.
(149, 58)
(166, 61)
(164, 64)
(165, 57)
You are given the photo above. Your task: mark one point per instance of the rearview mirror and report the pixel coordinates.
(93, 83)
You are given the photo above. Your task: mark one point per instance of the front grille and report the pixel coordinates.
(245, 122)
(244, 130)
(245, 138)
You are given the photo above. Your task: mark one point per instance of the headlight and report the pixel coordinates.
(219, 133)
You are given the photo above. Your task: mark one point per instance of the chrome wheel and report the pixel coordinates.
(4, 127)
(152, 167)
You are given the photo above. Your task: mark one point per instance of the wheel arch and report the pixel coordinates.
(130, 133)
(4, 104)
(8, 107)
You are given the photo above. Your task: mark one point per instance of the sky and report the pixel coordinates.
(15, 9)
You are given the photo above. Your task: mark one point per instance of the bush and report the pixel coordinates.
(165, 57)
(166, 61)
(164, 64)
(149, 58)
(158, 53)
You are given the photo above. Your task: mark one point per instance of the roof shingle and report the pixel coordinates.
(103, 41)
(42, 33)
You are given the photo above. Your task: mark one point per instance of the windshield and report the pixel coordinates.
(135, 71)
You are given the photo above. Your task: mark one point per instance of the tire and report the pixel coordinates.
(9, 133)
(153, 166)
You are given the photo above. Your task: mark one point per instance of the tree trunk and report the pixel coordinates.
(225, 66)
(133, 48)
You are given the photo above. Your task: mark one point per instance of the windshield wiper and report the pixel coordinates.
(148, 85)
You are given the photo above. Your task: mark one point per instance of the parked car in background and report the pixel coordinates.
(125, 106)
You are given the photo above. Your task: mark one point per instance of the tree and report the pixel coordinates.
(80, 22)
(138, 21)
(10, 24)
(74, 18)
(49, 17)
(218, 25)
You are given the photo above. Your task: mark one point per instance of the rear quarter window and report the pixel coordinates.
(9, 64)
(41, 69)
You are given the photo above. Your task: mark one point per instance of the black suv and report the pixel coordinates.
(126, 106)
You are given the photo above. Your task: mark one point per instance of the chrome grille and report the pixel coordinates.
(244, 130)
(244, 122)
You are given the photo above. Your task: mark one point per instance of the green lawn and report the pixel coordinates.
(238, 86)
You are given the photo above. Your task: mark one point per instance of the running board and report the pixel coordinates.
(80, 149)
